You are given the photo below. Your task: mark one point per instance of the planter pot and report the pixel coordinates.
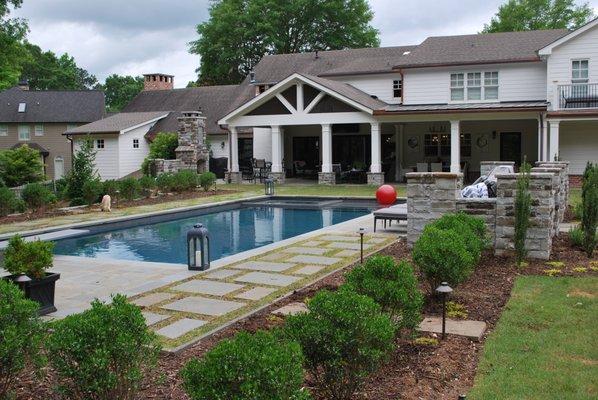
(39, 290)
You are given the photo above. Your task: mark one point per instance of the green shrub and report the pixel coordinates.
(21, 332)
(207, 180)
(247, 367)
(77, 201)
(442, 255)
(163, 146)
(129, 188)
(578, 211)
(21, 166)
(185, 180)
(165, 182)
(393, 286)
(83, 170)
(60, 187)
(576, 236)
(9, 202)
(147, 183)
(92, 190)
(469, 228)
(589, 199)
(36, 196)
(344, 337)
(523, 210)
(103, 353)
(111, 187)
(29, 258)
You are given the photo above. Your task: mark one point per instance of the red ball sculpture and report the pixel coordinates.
(386, 195)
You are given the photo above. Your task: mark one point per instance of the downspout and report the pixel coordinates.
(402, 85)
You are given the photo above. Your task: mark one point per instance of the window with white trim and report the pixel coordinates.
(397, 89)
(135, 143)
(100, 143)
(3, 130)
(24, 132)
(474, 86)
(580, 71)
(491, 85)
(39, 130)
(457, 87)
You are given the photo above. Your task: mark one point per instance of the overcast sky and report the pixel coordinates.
(132, 37)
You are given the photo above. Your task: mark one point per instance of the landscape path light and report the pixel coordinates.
(198, 248)
(361, 232)
(444, 290)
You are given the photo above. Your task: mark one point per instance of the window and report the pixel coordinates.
(24, 133)
(466, 145)
(397, 89)
(39, 130)
(100, 143)
(457, 87)
(439, 145)
(491, 85)
(3, 130)
(474, 86)
(22, 107)
(579, 71)
(135, 143)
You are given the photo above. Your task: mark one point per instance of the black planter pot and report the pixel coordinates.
(39, 290)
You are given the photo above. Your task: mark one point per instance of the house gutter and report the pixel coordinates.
(458, 111)
(456, 64)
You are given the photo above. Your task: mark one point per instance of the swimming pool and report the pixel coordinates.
(242, 227)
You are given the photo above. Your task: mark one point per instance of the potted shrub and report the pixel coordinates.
(27, 263)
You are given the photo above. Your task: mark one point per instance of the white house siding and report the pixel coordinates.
(130, 159)
(380, 85)
(584, 46)
(578, 144)
(216, 148)
(262, 143)
(107, 159)
(517, 82)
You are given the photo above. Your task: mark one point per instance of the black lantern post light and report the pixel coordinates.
(444, 290)
(269, 187)
(198, 248)
(361, 232)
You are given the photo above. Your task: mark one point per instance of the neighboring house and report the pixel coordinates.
(447, 104)
(38, 119)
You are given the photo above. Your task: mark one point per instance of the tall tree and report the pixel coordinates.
(120, 90)
(240, 32)
(528, 15)
(12, 35)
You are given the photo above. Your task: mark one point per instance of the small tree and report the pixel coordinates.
(523, 210)
(589, 199)
(20, 166)
(83, 171)
(163, 146)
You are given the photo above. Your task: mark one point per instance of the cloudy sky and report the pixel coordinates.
(130, 37)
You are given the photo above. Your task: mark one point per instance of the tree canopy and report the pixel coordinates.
(20, 166)
(239, 32)
(527, 15)
(120, 90)
(12, 35)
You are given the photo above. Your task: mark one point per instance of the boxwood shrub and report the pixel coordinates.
(207, 180)
(92, 190)
(247, 367)
(36, 196)
(9, 202)
(344, 337)
(442, 255)
(393, 286)
(104, 352)
(129, 188)
(21, 334)
(111, 187)
(471, 229)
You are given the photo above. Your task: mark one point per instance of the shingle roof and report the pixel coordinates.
(399, 108)
(51, 105)
(117, 122)
(349, 91)
(211, 100)
(480, 49)
(42, 150)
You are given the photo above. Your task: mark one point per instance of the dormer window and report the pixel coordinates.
(22, 107)
(397, 89)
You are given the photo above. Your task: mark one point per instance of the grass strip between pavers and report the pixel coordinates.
(544, 346)
(213, 322)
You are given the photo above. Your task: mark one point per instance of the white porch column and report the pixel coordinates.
(544, 140)
(276, 149)
(234, 149)
(554, 140)
(326, 148)
(376, 166)
(455, 147)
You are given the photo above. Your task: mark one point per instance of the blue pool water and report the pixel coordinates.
(231, 232)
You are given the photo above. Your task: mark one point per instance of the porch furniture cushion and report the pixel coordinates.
(422, 167)
(394, 213)
(436, 167)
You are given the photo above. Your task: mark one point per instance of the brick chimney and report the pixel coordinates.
(158, 81)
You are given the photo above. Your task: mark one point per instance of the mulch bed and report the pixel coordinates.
(412, 372)
(56, 211)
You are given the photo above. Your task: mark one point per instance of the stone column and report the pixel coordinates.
(233, 175)
(277, 174)
(326, 176)
(563, 199)
(553, 154)
(430, 195)
(375, 176)
(455, 147)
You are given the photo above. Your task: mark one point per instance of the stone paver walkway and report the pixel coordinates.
(470, 329)
(182, 312)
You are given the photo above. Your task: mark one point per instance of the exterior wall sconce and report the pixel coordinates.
(198, 248)
(269, 187)
(444, 290)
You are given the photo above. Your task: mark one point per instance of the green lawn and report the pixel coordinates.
(545, 345)
(318, 190)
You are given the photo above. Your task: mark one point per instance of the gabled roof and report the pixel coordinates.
(348, 91)
(51, 105)
(547, 50)
(118, 123)
(488, 48)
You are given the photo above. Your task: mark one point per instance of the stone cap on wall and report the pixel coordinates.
(497, 163)
(439, 175)
(534, 175)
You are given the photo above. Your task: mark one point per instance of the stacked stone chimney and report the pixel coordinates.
(192, 152)
(158, 81)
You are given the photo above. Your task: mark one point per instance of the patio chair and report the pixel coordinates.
(436, 167)
(394, 213)
(422, 167)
